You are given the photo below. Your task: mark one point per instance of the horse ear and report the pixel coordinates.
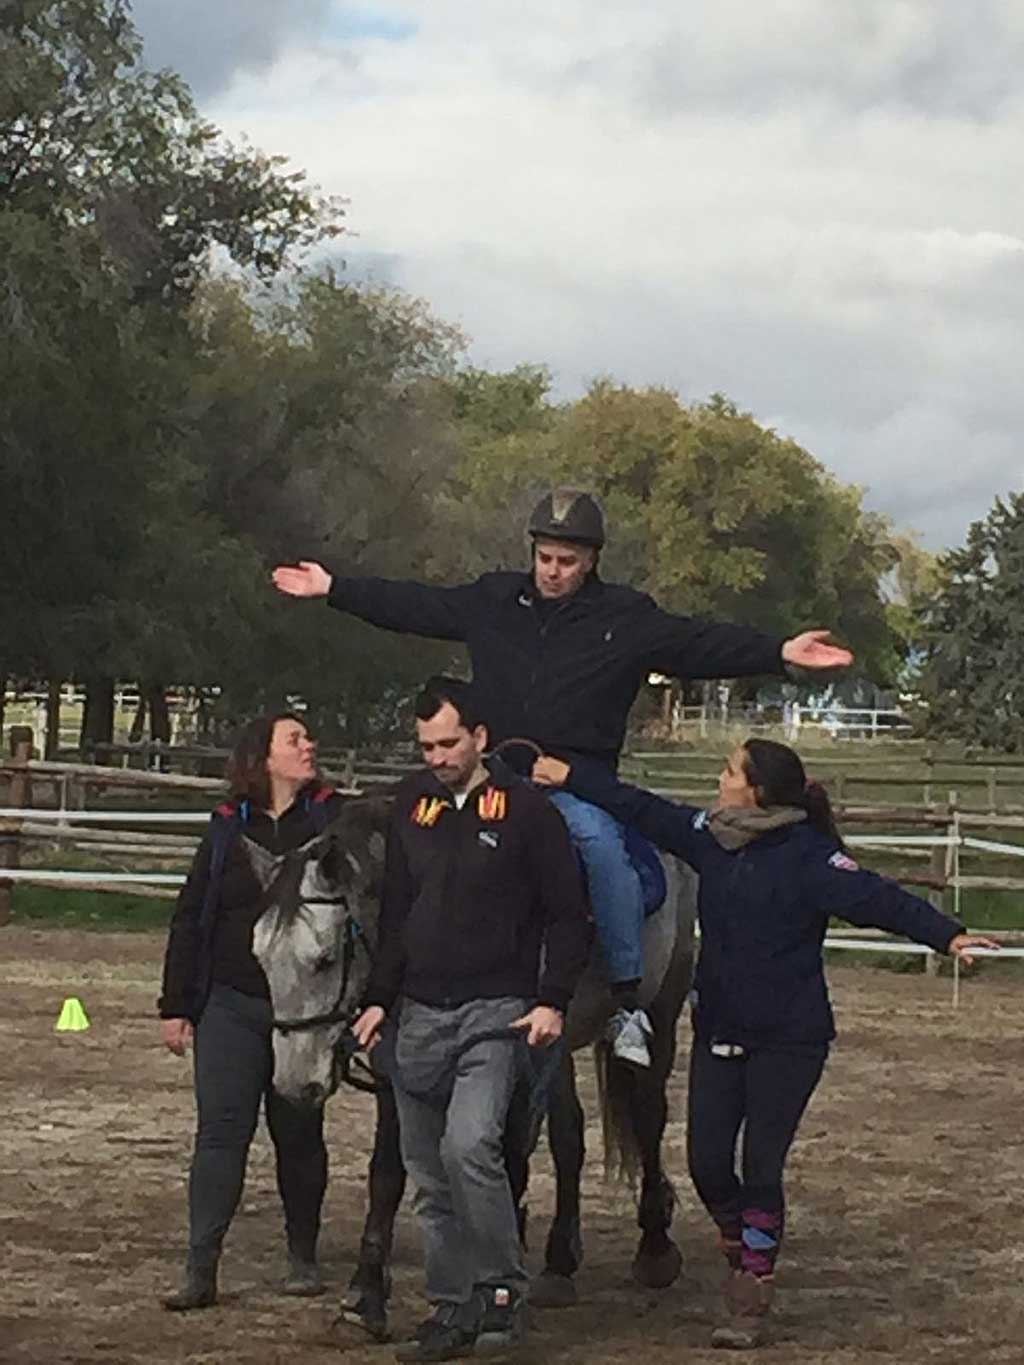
(264, 864)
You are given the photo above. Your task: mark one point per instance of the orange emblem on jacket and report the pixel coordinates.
(492, 804)
(428, 810)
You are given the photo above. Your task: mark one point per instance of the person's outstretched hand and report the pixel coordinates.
(307, 579)
(550, 772)
(814, 649)
(960, 946)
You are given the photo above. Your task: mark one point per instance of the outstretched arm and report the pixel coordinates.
(393, 604)
(691, 647)
(840, 887)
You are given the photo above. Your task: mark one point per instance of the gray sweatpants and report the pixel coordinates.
(453, 1151)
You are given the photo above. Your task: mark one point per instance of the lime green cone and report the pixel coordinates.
(73, 1018)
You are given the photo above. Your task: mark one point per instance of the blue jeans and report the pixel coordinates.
(616, 895)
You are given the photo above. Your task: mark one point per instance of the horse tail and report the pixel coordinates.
(614, 1086)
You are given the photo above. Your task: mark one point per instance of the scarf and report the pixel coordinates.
(736, 826)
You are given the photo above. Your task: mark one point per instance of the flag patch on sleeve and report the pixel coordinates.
(843, 861)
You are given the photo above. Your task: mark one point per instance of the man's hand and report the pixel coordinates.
(814, 649)
(366, 1029)
(544, 1024)
(550, 772)
(309, 579)
(176, 1034)
(960, 946)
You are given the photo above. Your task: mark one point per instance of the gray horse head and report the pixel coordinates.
(315, 942)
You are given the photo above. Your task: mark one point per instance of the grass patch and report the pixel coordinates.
(42, 907)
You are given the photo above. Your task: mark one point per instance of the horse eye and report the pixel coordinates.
(325, 963)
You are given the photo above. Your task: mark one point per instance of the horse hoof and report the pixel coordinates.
(377, 1328)
(553, 1291)
(368, 1317)
(658, 1270)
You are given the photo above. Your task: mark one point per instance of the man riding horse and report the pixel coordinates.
(558, 658)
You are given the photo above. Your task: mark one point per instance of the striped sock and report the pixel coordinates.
(762, 1234)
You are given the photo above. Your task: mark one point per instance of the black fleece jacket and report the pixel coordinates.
(565, 674)
(471, 896)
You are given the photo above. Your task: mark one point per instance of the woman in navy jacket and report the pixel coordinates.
(773, 870)
(216, 997)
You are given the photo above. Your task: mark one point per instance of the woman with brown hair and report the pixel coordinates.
(215, 995)
(773, 870)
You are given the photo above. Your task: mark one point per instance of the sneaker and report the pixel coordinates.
(628, 1032)
(443, 1336)
(503, 1325)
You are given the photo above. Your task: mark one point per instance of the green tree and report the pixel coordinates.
(973, 626)
(112, 194)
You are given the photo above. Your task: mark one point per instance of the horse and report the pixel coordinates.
(315, 941)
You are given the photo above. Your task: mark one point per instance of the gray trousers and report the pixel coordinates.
(234, 1062)
(453, 1151)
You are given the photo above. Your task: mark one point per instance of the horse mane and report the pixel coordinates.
(359, 835)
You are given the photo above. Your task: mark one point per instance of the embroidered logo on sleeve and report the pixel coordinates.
(700, 820)
(843, 862)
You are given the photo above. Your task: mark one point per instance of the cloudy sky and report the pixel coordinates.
(815, 206)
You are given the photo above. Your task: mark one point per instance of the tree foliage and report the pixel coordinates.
(973, 633)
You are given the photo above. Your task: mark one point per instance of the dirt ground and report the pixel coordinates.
(904, 1239)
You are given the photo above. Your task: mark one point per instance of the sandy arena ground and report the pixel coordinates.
(904, 1242)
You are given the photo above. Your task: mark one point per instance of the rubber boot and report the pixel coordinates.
(748, 1301)
(198, 1290)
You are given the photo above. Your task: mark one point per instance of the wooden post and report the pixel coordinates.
(21, 795)
(992, 790)
(937, 898)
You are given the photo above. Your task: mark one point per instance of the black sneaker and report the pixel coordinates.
(504, 1322)
(443, 1336)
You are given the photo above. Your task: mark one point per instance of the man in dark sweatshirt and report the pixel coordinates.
(480, 876)
(558, 658)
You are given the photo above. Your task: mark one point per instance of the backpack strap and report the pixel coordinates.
(225, 824)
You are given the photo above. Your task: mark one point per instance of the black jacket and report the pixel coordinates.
(764, 910)
(210, 938)
(471, 896)
(566, 674)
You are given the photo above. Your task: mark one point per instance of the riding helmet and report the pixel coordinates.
(569, 514)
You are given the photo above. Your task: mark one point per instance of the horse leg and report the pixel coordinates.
(563, 1254)
(519, 1142)
(658, 1260)
(366, 1303)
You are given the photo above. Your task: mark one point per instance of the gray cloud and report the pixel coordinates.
(812, 206)
(208, 41)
